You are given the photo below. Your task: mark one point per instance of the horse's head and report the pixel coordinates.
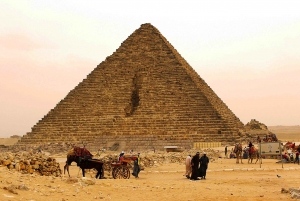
(72, 158)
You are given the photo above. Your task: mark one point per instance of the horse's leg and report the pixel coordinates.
(237, 158)
(66, 167)
(102, 172)
(257, 157)
(83, 172)
(241, 155)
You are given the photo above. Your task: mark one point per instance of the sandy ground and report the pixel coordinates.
(226, 180)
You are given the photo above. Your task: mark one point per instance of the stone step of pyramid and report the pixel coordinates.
(145, 91)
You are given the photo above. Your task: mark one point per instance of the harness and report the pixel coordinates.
(82, 152)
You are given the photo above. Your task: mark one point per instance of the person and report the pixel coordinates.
(204, 160)
(297, 158)
(195, 165)
(136, 166)
(231, 155)
(291, 157)
(245, 153)
(188, 167)
(250, 145)
(289, 151)
(226, 154)
(121, 156)
(275, 137)
(286, 157)
(258, 139)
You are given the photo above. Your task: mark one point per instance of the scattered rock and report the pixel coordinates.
(88, 181)
(71, 180)
(283, 190)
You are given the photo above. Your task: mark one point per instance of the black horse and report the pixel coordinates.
(85, 163)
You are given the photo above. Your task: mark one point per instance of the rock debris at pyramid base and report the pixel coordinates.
(145, 95)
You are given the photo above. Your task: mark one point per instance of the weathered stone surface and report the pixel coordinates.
(143, 96)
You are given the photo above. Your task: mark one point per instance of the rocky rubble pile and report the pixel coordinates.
(294, 192)
(28, 163)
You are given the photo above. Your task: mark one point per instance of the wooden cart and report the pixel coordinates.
(120, 170)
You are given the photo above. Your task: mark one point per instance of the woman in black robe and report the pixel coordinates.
(204, 160)
(195, 165)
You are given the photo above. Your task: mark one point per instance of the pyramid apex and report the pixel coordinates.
(147, 26)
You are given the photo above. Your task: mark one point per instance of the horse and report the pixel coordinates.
(253, 153)
(85, 164)
(84, 160)
(238, 150)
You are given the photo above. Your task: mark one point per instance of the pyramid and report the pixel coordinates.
(143, 96)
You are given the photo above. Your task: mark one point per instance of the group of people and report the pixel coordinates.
(196, 166)
(268, 138)
(246, 151)
(291, 157)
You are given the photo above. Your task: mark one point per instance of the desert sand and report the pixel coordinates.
(226, 180)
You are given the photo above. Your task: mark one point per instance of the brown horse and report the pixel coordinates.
(253, 153)
(238, 150)
(85, 164)
(84, 160)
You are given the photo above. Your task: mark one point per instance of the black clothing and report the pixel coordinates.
(195, 165)
(136, 168)
(204, 160)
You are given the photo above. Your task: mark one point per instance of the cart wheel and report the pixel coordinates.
(121, 173)
(118, 173)
(114, 171)
(126, 173)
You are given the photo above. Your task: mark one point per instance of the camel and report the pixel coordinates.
(238, 150)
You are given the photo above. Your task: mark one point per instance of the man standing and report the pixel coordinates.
(195, 165)
(297, 158)
(121, 155)
(136, 166)
(188, 167)
(226, 153)
(203, 166)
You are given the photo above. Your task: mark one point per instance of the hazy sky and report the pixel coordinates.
(247, 51)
